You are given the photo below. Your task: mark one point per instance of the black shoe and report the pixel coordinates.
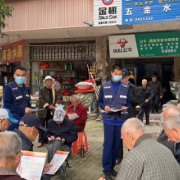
(62, 173)
(114, 173)
(152, 111)
(147, 123)
(108, 176)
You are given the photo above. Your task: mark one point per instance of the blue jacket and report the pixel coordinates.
(118, 100)
(16, 99)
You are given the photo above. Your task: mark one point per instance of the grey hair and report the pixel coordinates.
(133, 125)
(74, 96)
(10, 145)
(172, 121)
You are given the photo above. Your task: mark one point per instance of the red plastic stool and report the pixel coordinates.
(81, 142)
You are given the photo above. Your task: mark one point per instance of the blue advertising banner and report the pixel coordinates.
(146, 11)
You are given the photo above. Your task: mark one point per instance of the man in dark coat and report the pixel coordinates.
(136, 100)
(47, 100)
(157, 93)
(147, 95)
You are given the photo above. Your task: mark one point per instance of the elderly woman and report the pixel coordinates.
(47, 100)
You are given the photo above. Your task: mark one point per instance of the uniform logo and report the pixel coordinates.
(107, 2)
(122, 42)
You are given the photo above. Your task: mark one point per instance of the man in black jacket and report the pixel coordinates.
(61, 132)
(147, 95)
(157, 93)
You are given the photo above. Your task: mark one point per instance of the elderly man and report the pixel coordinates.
(62, 133)
(163, 139)
(16, 96)
(47, 100)
(172, 129)
(147, 159)
(10, 156)
(147, 95)
(28, 131)
(157, 93)
(80, 109)
(6, 119)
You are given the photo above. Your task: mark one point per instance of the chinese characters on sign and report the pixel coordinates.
(13, 52)
(135, 11)
(123, 46)
(113, 12)
(107, 12)
(158, 44)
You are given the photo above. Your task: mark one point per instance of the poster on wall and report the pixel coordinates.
(121, 12)
(145, 45)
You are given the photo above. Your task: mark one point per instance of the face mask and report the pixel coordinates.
(20, 80)
(117, 78)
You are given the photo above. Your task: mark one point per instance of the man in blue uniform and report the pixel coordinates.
(113, 94)
(16, 97)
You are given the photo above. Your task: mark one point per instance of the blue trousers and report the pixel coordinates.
(112, 136)
(13, 126)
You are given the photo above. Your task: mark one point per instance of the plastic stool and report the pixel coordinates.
(82, 140)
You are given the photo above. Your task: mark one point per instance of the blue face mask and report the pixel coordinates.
(20, 80)
(117, 78)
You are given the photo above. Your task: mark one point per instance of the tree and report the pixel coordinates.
(5, 11)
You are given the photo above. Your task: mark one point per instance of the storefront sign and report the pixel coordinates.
(107, 12)
(145, 45)
(123, 46)
(12, 52)
(158, 44)
(113, 12)
(135, 12)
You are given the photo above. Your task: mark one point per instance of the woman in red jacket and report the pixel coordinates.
(77, 112)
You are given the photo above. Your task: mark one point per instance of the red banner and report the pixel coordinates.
(13, 52)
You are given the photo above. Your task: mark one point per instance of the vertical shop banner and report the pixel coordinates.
(123, 46)
(13, 52)
(136, 11)
(158, 44)
(107, 12)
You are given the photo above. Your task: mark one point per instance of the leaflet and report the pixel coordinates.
(117, 109)
(31, 165)
(72, 116)
(57, 161)
(37, 110)
(101, 178)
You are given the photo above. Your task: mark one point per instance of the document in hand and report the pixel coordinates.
(31, 165)
(57, 161)
(72, 116)
(35, 110)
(117, 109)
(101, 178)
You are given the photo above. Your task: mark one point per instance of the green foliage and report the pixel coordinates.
(5, 11)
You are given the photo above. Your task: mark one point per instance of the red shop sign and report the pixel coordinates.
(13, 52)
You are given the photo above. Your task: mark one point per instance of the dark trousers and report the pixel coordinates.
(112, 138)
(155, 103)
(146, 110)
(120, 151)
(44, 123)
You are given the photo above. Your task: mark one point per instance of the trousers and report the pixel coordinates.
(155, 103)
(146, 110)
(44, 122)
(111, 145)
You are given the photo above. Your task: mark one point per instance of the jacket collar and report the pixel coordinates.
(23, 136)
(78, 107)
(142, 138)
(7, 171)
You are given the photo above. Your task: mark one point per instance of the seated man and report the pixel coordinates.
(10, 155)
(62, 133)
(28, 131)
(6, 119)
(147, 159)
(172, 130)
(80, 109)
